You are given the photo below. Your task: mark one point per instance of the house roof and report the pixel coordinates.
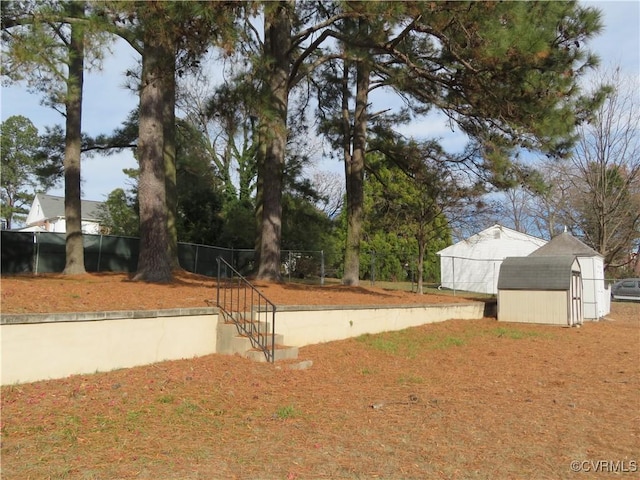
(537, 273)
(53, 207)
(494, 243)
(565, 244)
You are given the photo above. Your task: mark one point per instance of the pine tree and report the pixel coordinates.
(45, 44)
(505, 73)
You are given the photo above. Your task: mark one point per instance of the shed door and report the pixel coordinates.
(576, 314)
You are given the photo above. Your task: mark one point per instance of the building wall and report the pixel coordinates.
(35, 215)
(597, 298)
(527, 306)
(473, 264)
(469, 274)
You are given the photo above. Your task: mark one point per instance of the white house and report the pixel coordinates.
(596, 296)
(473, 264)
(47, 215)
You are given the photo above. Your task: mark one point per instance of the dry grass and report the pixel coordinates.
(460, 399)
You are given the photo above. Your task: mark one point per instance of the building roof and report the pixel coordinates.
(53, 207)
(494, 243)
(565, 244)
(537, 273)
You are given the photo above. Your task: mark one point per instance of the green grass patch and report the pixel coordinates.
(166, 399)
(448, 341)
(368, 371)
(383, 344)
(102, 423)
(187, 407)
(514, 333)
(69, 428)
(288, 411)
(133, 415)
(409, 342)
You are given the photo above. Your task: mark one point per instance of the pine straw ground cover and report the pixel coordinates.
(458, 399)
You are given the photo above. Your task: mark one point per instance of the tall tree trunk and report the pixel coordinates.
(153, 260)
(246, 156)
(277, 47)
(74, 247)
(261, 155)
(355, 177)
(169, 151)
(422, 248)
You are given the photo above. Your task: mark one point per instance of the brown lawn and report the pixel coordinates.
(459, 399)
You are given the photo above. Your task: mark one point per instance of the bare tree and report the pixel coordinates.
(605, 172)
(330, 188)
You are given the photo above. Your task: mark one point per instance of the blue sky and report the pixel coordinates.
(107, 103)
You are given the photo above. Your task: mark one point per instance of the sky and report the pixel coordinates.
(107, 103)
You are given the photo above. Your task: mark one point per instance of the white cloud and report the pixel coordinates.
(436, 126)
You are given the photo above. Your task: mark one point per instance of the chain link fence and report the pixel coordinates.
(44, 252)
(403, 267)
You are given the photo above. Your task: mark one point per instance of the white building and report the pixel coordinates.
(473, 265)
(596, 296)
(47, 215)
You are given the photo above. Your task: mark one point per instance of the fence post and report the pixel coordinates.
(99, 253)
(373, 267)
(321, 267)
(453, 269)
(218, 283)
(36, 252)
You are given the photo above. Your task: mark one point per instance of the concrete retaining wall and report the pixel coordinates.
(41, 347)
(304, 326)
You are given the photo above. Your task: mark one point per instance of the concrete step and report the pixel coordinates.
(230, 342)
(242, 343)
(282, 352)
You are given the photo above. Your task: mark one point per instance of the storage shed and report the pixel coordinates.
(596, 296)
(473, 264)
(541, 290)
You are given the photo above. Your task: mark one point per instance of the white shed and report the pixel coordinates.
(473, 264)
(596, 295)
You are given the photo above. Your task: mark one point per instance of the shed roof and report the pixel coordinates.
(53, 206)
(537, 273)
(565, 244)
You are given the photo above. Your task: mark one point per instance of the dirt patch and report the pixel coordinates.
(459, 399)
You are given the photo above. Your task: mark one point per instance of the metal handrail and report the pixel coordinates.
(244, 305)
